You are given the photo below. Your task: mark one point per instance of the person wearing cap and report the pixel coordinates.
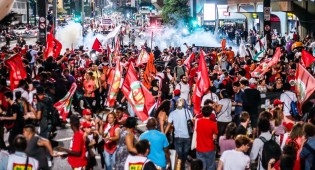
(89, 144)
(277, 103)
(87, 116)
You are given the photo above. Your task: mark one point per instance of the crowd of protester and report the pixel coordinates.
(239, 126)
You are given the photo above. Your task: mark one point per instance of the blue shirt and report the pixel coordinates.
(306, 153)
(158, 142)
(4, 156)
(178, 118)
(239, 98)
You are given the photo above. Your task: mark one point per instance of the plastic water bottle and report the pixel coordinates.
(249, 130)
(267, 104)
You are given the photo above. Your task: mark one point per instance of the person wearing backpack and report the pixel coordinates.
(265, 147)
(288, 98)
(308, 147)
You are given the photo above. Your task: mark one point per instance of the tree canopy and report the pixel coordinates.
(175, 11)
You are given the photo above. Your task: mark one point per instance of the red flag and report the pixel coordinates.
(305, 84)
(142, 58)
(149, 72)
(114, 88)
(17, 70)
(97, 45)
(137, 95)
(64, 104)
(276, 58)
(202, 83)
(188, 61)
(261, 69)
(117, 48)
(265, 66)
(307, 58)
(53, 46)
(223, 44)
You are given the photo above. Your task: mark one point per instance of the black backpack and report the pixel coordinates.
(271, 149)
(29, 56)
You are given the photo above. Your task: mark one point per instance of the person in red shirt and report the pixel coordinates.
(76, 153)
(206, 131)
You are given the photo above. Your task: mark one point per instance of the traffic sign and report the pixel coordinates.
(42, 26)
(42, 19)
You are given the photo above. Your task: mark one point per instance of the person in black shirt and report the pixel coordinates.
(242, 127)
(252, 104)
(13, 120)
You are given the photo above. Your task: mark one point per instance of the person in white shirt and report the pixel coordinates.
(210, 95)
(19, 160)
(287, 97)
(184, 88)
(140, 161)
(227, 160)
(22, 89)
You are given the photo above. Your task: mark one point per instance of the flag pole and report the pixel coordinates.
(151, 39)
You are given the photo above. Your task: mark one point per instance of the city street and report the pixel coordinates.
(216, 84)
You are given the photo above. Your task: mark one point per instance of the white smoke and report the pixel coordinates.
(177, 37)
(70, 36)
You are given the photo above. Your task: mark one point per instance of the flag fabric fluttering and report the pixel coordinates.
(307, 58)
(63, 105)
(242, 50)
(137, 95)
(188, 61)
(149, 72)
(114, 87)
(17, 70)
(202, 83)
(305, 84)
(265, 66)
(117, 49)
(53, 46)
(259, 55)
(97, 45)
(142, 58)
(223, 43)
(260, 69)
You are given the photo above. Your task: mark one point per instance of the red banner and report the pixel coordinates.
(188, 61)
(53, 46)
(17, 70)
(97, 45)
(114, 87)
(202, 83)
(305, 84)
(307, 58)
(137, 95)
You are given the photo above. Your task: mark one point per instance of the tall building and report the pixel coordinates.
(19, 7)
(286, 15)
